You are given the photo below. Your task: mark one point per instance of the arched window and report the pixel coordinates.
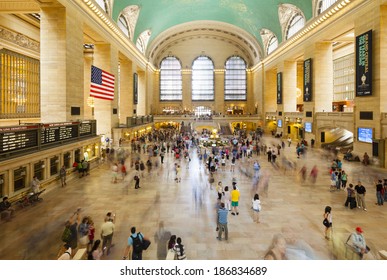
(103, 5)
(295, 24)
(142, 40)
(323, 5)
(123, 25)
(272, 45)
(235, 81)
(202, 79)
(171, 84)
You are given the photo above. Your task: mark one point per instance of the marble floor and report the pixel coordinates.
(187, 209)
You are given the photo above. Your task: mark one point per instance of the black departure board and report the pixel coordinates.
(14, 140)
(18, 138)
(85, 128)
(51, 133)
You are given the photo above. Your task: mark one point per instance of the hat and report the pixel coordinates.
(359, 229)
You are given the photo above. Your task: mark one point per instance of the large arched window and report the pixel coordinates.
(323, 5)
(202, 79)
(295, 24)
(103, 5)
(123, 25)
(272, 45)
(142, 40)
(171, 85)
(235, 87)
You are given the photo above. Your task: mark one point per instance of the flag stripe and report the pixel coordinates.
(102, 84)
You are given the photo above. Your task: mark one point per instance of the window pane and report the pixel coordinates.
(235, 87)
(273, 44)
(203, 79)
(324, 5)
(19, 85)
(171, 85)
(296, 23)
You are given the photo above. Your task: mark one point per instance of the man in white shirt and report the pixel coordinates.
(107, 231)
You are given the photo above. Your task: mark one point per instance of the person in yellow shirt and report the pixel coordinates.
(234, 199)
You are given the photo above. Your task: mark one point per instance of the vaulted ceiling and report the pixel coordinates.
(250, 17)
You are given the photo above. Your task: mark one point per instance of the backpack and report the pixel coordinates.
(66, 235)
(137, 244)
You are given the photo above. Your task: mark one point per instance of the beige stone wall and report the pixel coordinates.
(270, 91)
(106, 58)
(53, 64)
(125, 106)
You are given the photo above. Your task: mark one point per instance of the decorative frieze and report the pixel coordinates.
(19, 39)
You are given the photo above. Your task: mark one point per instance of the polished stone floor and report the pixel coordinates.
(187, 209)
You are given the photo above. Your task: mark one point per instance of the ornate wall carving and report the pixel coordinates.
(19, 39)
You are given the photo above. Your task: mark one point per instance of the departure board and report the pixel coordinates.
(55, 132)
(85, 128)
(18, 138)
(13, 140)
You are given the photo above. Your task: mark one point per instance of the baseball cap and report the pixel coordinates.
(359, 229)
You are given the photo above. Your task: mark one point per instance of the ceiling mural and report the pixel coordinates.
(249, 15)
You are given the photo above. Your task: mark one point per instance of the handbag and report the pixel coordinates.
(326, 222)
(145, 244)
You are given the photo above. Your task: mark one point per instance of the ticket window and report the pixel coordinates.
(39, 170)
(54, 166)
(67, 160)
(19, 178)
(77, 155)
(2, 191)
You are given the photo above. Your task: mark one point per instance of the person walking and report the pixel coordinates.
(360, 196)
(227, 198)
(350, 197)
(222, 222)
(379, 192)
(180, 250)
(328, 222)
(358, 242)
(96, 252)
(344, 179)
(277, 248)
(62, 175)
(107, 231)
(256, 206)
(136, 179)
(134, 246)
(6, 209)
(235, 194)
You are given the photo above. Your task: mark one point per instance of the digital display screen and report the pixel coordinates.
(364, 134)
(308, 127)
(279, 123)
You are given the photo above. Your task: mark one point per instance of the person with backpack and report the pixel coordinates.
(70, 233)
(179, 249)
(135, 245)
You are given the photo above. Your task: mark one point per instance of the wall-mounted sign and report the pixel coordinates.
(364, 64)
(308, 80)
(135, 88)
(279, 88)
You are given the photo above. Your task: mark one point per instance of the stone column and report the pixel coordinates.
(270, 91)
(289, 86)
(125, 106)
(219, 92)
(141, 106)
(322, 77)
(106, 58)
(187, 89)
(61, 60)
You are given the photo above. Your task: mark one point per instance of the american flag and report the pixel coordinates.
(102, 84)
